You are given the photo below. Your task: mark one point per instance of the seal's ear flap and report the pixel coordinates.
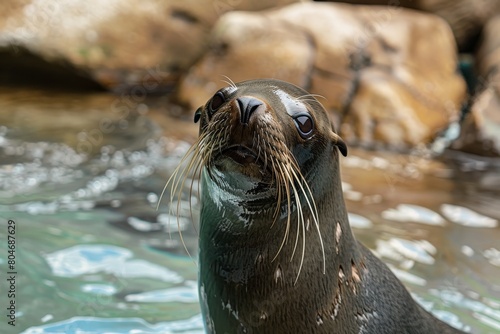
(339, 142)
(336, 140)
(197, 114)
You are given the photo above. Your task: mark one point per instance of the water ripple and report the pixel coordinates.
(90, 259)
(482, 312)
(358, 221)
(408, 277)
(37, 164)
(493, 256)
(183, 294)
(193, 325)
(420, 250)
(467, 217)
(99, 289)
(448, 317)
(401, 250)
(413, 214)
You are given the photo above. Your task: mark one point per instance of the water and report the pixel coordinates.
(81, 175)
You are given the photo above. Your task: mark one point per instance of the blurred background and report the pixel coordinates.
(96, 110)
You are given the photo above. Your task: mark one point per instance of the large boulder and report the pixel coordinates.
(481, 127)
(114, 41)
(465, 17)
(388, 75)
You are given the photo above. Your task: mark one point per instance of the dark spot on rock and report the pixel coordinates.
(183, 15)
(360, 60)
(220, 49)
(386, 46)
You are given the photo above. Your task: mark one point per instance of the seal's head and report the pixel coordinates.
(262, 133)
(262, 144)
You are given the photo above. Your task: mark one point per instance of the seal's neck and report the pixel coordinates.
(243, 259)
(236, 217)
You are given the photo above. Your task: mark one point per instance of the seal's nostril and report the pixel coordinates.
(248, 105)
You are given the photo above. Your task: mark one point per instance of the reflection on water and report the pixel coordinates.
(414, 214)
(467, 217)
(193, 325)
(95, 256)
(89, 259)
(188, 294)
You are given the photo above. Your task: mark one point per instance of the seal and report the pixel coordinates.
(276, 252)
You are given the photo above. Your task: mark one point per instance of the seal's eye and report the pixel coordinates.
(217, 101)
(197, 115)
(304, 124)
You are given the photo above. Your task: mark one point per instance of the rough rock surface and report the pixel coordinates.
(115, 41)
(481, 127)
(465, 17)
(389, 75)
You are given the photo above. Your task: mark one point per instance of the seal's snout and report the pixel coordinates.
(248, 106)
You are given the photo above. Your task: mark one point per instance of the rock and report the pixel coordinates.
(465, 17)
(488, 54)
(388, 75)
(244, 48)
(115, 41)
(480, 132)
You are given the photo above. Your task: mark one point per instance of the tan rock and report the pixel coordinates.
(384, 111)
(480, 133)
(465, 17)
(488, 54)
(117, 41)
(243, 48)
(389, 74)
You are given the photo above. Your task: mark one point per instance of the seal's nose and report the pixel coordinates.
(248, 105)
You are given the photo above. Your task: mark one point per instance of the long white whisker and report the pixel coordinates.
(312, 207)
(310, 97)
(289, 205)
(229, 81)
(174, 173)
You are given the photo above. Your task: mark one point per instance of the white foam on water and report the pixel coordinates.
(90, 259)
(467, 217)
(81, 325)
(413, 214)
(358, 221)
(181, 294)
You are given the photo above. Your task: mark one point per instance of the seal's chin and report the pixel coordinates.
(241, 162)
(241, 155)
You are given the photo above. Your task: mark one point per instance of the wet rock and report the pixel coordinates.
(481, 128)
(389, 75)
(488, 54)
(480, 132)
(117, 41)
(465, 17)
